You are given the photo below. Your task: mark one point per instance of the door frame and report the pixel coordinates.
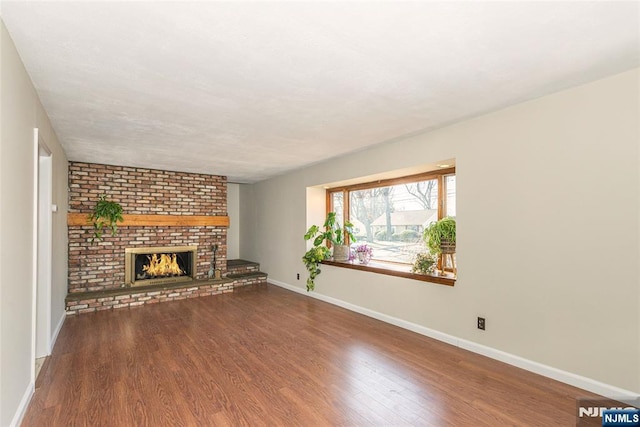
(42, 249)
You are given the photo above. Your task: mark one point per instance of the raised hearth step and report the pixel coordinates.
(237, 266)
(240, 262)
(247, 275)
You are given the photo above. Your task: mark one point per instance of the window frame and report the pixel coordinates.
(438, 175)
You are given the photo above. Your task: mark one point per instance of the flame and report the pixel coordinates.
(165, 265)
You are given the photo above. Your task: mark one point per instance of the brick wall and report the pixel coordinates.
(100, 266)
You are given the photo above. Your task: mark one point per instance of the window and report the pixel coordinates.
(391, 215)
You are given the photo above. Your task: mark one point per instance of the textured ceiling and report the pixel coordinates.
(252, 90)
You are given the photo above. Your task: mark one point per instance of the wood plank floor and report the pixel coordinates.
(268, 356)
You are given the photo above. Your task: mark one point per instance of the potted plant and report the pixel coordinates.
(425, 263)
(330, 232)
(333, 233)
(105, 214)
(364, 253)
(440, 236)
(337, 235)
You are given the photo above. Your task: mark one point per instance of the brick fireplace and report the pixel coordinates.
(160, 197)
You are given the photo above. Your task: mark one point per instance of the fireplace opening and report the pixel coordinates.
(156, 265)
(148, 266)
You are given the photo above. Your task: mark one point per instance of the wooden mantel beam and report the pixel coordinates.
(74, 218)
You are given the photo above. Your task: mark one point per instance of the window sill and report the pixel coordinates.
(393, 270)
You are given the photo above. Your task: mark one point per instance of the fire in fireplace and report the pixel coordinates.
(148, 266)
(161, 265)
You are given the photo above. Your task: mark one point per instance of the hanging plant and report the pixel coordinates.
(440, 236)
(105, 214)
(312, 259)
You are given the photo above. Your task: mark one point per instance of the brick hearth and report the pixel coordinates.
(240, 273)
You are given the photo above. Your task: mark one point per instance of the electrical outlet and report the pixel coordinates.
(481, 323)
(298, 276)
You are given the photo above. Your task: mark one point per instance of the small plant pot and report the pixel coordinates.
(448, 247)
(363, 257)
(340, 252)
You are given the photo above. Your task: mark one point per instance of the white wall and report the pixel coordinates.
(21, 112)
(248, 219)
(233, 210)
(548, 225)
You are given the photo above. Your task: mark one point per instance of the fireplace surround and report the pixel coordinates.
(161, 208)
(164, 213)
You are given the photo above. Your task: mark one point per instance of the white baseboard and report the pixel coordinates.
(24, 404)
(57, 331)
(584, 383)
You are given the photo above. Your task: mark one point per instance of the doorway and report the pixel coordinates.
(43, 252)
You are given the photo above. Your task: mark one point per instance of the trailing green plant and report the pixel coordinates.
(443, 230)
(312, 259)
(105, 214)
(331, 232)
(425, 263)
